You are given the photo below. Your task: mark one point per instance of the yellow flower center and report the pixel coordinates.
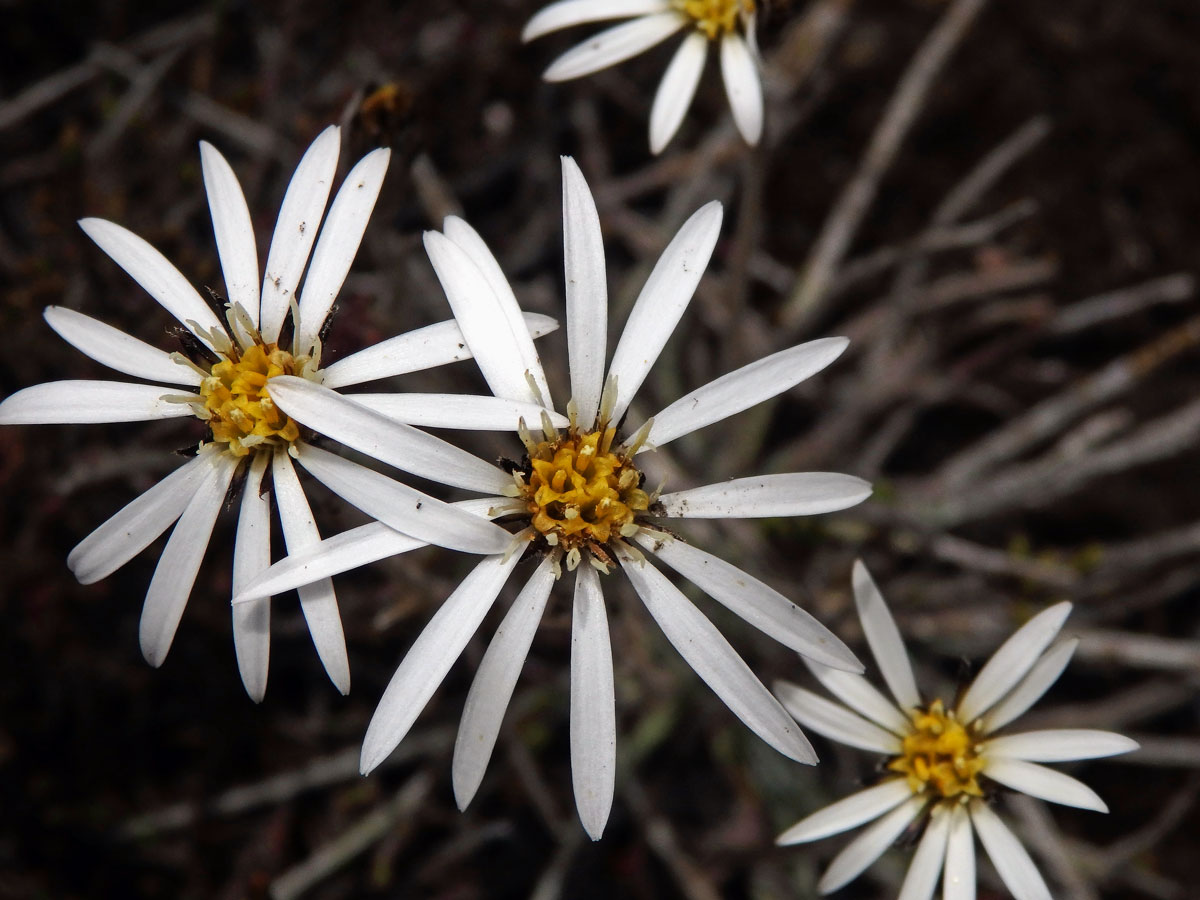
(235, 401)
(580, 495)
(939, 754)
(715, 17)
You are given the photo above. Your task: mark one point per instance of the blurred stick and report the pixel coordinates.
(1140, 651)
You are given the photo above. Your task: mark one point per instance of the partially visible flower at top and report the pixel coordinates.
(579, 499)
(945, 765)
(229, 356)
(727, 22)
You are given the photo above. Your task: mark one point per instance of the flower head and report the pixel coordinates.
(578, 498)
(944, 764)
(229, 355)
(728, 23)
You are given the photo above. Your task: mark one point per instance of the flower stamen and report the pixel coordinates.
(715, 17)
(940, 754)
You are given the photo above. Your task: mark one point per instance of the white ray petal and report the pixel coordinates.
(883, 637)
(568, 13)
(704, 649)
(234, 233)
(90, 402)
(847, 813)
(296, 229)
(463, 411)
(835, 722)
(349, 550)
(862, 697)
(1012, 861)
(492, 688)
(614, 45)
(1009, 664)
(432, 655)
(338, 243)
(1031, 688)
(587, 292)
(469, 241)
(116, 349)
(926, 865)
(1047, 784)
(676, 90)
(659, 306)
(958, 877)
(593, 705)
(251, 556)
(136, 525)
(1059, 745)
(761, 496)
(758, 603)
(743, 86)
(425, 348)
(153, 272)
(742, 389)
(376, 435)
(180, 562)
(402, 507)
(318, 601)
(868, 846)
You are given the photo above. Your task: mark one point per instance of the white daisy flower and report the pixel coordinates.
(221, 378)
(945, 764)
(730, 23)
(578, 500)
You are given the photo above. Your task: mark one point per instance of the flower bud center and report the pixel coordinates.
(939, 755)
(715, 17)
(240, 413)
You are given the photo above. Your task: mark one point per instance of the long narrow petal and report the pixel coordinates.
(614, 45)
(868, 846)
(1009, 664)
(296, 229)
(1039, 781)
(958, 878)
(676, 90)
(116, 349)
(760, 496)
(180, 562)
(926, 865)
(251, 556)
(593, 705)
(847, 813)
(1039, 680)
(862, 697)
(1011, 860)
(432, 655)
(758, 603)
(394, 443)
(234, 232)
(883, 637)
(318, 601)
(494, 682)
(349, 550)
(338, 243)
(704, 649)
(469, 241)
(568, 13)
(587, 292)
(743, 86)
(153, 272)
(425, 348)
(132, 529)
(89, 402)
(659, 306)
(464, 411)
(404, 508)
(835, 722)
(1059, 745)
(742, 389)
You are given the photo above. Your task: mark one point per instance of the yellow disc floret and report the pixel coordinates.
(715, 17)
(939, 755)
(235, 401)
